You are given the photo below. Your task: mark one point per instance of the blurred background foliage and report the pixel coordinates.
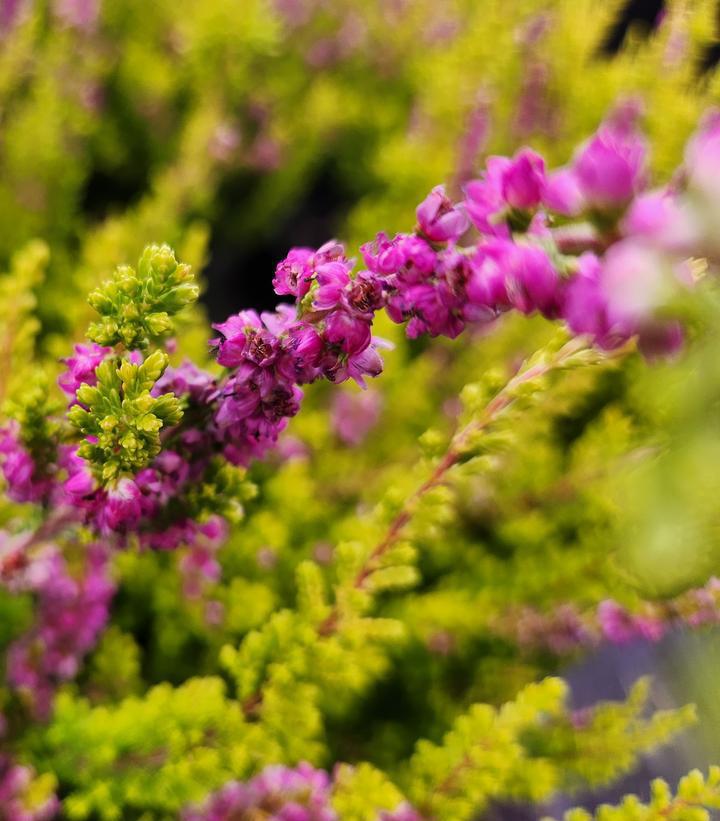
(233, 130)
(254, 126)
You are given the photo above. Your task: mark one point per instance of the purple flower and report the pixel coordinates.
(428, 305)
(486, 286)
(636, 279)
(11, 12)
(702, 159)
(81, 368)
(562, 193)
(164, 479)
(507, 185)
(621, 627)
(610, 167)
(616, 624)
(406, 255)
(364, 296)
(561, 632)
(617, 299)
(282, 319)
(280, 402)
(80, 484)
(71, 613)
(237, 406)
(244, 338)
(349, 333)
(293, 275)
(278, 792)
(356, 366)
(532, 282)
(439, 219)
(585, 305)
(354, 415)
(122, 508)
(484, 200)
(186, 380)
(332, 279)
(79, 14)
(199, 566)
(18, 797)
(523, 181)
(301, 351)
(661, 218)
(18, 467)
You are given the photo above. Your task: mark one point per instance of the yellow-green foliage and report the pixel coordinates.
(529, 749)
(695, 798)
(153, 753)
(321, 646)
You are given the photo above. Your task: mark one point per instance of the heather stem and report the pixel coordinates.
(493, 409)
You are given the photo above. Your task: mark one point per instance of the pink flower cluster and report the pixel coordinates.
(437, 285)
(16, 800)
(146, 504)
(586, 244)
(70, 614)
(354, 415)
(281, 793)
(567, 629)
(81, 368)
(278, 793)
(19, 469)
(270, 355)
(200, 569)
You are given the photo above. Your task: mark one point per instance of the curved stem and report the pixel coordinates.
(495, 407)
(491, 412)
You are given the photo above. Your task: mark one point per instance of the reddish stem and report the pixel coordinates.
(500, 401)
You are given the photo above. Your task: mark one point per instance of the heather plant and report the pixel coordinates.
(285, 578)
(333, 563)
(155, 122)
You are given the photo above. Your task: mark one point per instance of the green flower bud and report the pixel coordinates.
(137, 307)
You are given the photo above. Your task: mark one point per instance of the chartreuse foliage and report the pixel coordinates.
(152, 122)
(153, 753)
(172, 746)
(18, 318)
(694, 800)
(121, 417)
(136, 308)
(379, 593)
(531, 748)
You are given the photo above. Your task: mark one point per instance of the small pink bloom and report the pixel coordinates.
(531, 280)
(122, 507)
(294, 274)
(523, 181)
(562, 193)
(439, 219)
(351, 334)
(661, 218)
(81, 368)
(354, 415)
(616, 624)
(610, 167)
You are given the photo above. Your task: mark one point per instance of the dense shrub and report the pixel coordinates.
(333, 564)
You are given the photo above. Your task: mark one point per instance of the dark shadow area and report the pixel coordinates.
(641, 14)
(239, 274)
